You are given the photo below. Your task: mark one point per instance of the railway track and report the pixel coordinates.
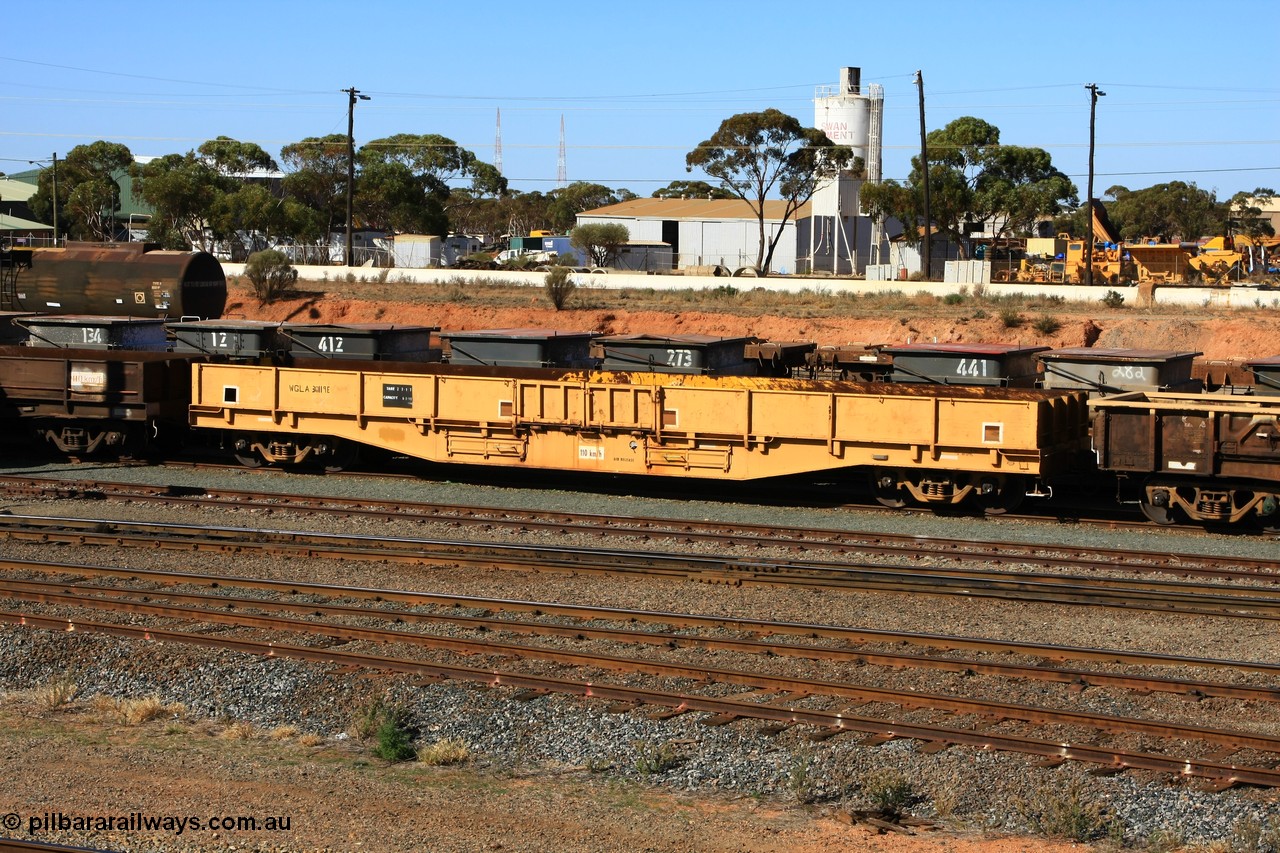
(813, 495)
(685, 531)
(1192, 751)
(1105, 590)
(586, 621)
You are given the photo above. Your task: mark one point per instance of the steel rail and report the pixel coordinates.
(754, 680)
(52, 592)
(1206, 768)
(592, 612)
(1157, 595)
(751, 535)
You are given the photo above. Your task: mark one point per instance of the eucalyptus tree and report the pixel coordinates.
(405, 181)
(602, 242)
(973, 178)
(88, 190)
(769, 154)
(691, 189)
(189, 193)
(1244, 213)
(1176, 210)
(316, 176)
(567, 202)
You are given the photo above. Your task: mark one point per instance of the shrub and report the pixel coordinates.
(1011, 318)
(1047, 324)
(1113, 299)
(395, 742)
(1251, 834)
(135, 712)
(388, 725)
(953, 299)
(560, 286)
(272, 275)
(811, 782)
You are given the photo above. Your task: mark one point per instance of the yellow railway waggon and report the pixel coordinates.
(931, 444)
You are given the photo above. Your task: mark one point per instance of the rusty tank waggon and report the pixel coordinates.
(934, 445)
(1203, 458)
(127, 280)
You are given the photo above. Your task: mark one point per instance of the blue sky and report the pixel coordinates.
(1191, 88)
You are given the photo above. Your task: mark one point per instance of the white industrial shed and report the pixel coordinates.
(704, 232)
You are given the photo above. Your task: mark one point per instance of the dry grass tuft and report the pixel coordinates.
(284, 732)
(240, 730)
(55, 695)
(135, 712)
(444, 752)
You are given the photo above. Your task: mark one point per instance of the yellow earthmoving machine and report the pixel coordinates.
(1110, 265)
(1216, 260)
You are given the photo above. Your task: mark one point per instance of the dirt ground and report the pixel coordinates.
(1216, 332)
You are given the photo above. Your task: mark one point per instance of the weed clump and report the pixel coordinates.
(1068, 812)
(654, 758)
(560, 286)
(1047, 324)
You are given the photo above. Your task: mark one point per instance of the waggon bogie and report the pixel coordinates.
(994, 494)
(293, 451)
(1212, 503)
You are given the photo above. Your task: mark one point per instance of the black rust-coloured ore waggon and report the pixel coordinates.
(83, 401)
(1199, 457)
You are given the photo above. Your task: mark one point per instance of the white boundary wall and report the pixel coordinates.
(1219, 297)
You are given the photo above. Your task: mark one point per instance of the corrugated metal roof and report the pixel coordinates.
(694, 208)
(12, 190)
(13, 223)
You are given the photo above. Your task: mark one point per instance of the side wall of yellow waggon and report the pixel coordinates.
(641, 423)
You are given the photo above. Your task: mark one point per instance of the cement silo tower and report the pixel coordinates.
(840, 240)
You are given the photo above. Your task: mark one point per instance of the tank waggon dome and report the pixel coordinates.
(132, 280)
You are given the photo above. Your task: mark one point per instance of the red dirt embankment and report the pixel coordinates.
(1218, 333)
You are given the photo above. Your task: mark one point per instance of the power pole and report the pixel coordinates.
(353, 94)
(497, 144)
(55, 199)
(1094, 94)
(924, 170)
(562, 171)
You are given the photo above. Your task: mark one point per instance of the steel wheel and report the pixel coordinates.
(884, 485)
(1157, 514)
(345, 455)
(242, 449)
(1008, 499)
